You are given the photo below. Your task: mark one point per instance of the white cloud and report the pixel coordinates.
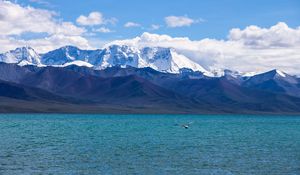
(94, 18)
(251, 49)
(43, 45)
(16, 20)
(132, 24)
(103, 30)
(279, 35)
(179, 21)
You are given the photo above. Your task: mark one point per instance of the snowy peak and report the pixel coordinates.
(116, 55)
(61, 56)
(22, 56)
(156, 53)
(280, 73)
(227, 73)
(69, 54)
(167, 60)
(274, 81)
(273, 74)
(180, 61)
(157, 58)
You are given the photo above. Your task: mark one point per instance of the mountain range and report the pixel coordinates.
(123, 79)
(160, 59)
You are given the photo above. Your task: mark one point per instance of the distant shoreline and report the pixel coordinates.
(128, 111)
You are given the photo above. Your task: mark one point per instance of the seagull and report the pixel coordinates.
(186, 126)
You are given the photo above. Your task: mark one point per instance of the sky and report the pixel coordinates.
(218, 34)
(212, 18)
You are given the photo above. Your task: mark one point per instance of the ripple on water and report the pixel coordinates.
(144, 144)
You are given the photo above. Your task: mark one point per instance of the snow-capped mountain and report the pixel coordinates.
(157, 58)
(274, 75)
(275, 81)
(121, 56)
(69, 54)
(21, 56)
(160, 59)
(168, 60)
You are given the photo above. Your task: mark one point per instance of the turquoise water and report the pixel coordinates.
(145, 144)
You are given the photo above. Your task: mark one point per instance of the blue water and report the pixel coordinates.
(145, 144)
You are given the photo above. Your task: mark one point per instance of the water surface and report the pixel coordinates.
(149, 144)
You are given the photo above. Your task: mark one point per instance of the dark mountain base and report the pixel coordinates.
(115, 90)
(8, 106)
(21, 106)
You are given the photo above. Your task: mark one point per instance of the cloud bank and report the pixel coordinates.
(251, 49)
(16, 21)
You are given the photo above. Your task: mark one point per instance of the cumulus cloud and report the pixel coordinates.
(94, 18)
(246, 50)
(279, 35)
(132, 24)
(16, 20)
(179, 21)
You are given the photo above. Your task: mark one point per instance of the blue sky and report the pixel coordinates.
(215, 17)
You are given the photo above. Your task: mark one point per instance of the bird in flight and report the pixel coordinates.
(186, 126)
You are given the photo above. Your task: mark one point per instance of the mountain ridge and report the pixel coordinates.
(158, 58)
(145, 90)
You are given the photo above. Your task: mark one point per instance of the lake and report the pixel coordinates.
(149, 144)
